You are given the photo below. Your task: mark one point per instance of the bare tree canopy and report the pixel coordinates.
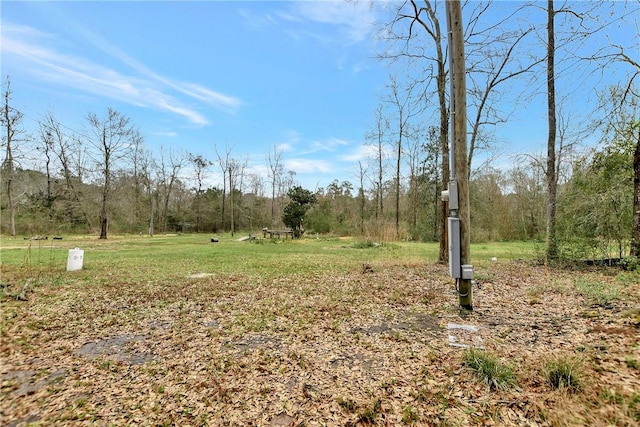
(112, 138)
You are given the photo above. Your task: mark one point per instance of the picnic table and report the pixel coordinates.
(276, 233)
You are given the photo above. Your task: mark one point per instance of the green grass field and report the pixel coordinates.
(179, 255)
(177, 330)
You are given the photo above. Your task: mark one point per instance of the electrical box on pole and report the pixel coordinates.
(454, 247)
(453, 195)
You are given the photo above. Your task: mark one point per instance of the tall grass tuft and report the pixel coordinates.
(489, 369)
(563, 373)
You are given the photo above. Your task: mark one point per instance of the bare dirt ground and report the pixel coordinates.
(379, 346)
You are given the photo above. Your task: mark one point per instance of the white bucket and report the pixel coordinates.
(74, 262)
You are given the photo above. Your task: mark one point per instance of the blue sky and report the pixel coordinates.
(301, 76)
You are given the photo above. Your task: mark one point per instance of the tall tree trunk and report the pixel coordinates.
(441, 83)
(8, 166)
(233, 225)
(224, 196)
(10, 204)
(380, 207)
(437, 208)
(552, 180)
(432, 27)
(151, 214)
(635, 232)
(362, 198)
(398, 163)
(105, 189)
(443, 254)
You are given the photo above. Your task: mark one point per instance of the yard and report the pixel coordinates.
(177, 330)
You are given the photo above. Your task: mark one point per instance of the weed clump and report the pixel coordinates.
(489, 369)
(367, 244)
(596, 291)
(410, 416)
(370, 413)
(563, 373)
(347, 404)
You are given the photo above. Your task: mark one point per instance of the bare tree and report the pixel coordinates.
(377, 136)
(10, 120)
(401, 101)
(361, 195)
(256, 190)
(573, 33)
(168, 174)
(274, 162)
(425, 16)
(47, 145)
(635, 228)
(236, 183)
(149, 184)
(138, 158)
(69, 154)
(224, 161)
(529, 193)
(233, 167)
(493, 60)
(414, 151)
(111, 137)
(551, 252)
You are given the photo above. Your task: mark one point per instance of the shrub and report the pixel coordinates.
(630, 263)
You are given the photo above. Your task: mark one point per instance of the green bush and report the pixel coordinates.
(630, 263)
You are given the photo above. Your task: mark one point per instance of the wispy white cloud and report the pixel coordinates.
(295, 143)
(329, 145)
(256, 21)
(303, 166)
(192, 90)
(349, 22)
(360, 153)
(355, 18)
(347, 28)
(209, 96)
(169, 134)
(145, 88)
(292, 136)
(290, 140)
(284, 147)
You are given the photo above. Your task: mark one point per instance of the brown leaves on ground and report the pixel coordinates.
(383, 348)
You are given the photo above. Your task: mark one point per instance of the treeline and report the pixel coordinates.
(152, 195)
(578, 201)
(106, 180)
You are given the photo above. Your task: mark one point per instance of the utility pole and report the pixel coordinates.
(457, 194)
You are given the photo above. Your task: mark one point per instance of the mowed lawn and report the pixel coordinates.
(178, 330)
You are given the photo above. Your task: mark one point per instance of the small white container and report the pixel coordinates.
(74, 261)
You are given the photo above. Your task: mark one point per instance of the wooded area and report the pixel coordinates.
(581, 197)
